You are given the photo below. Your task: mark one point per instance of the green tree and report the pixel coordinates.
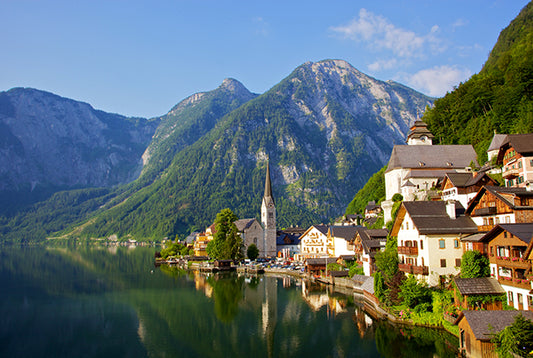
(415, 294)
(474, 264)
(252, 252)
(516, 339)
(226, 243)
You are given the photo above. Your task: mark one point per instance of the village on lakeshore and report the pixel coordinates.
(458, 244)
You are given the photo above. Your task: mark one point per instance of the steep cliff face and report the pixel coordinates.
(49, 141)
(189, 120)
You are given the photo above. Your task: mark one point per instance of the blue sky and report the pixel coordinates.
(140, 58)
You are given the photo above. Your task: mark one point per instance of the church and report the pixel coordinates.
(263, 235)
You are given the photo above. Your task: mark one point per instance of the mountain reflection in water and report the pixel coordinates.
(85, 301)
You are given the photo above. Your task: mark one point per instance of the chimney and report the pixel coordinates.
(450, 209)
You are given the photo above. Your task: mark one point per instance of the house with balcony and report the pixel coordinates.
(464, 186)
(508, 246)
(340, 240)
(516, 157)
(494, 205)
(367, 243)
(429, 239)
(313, 242)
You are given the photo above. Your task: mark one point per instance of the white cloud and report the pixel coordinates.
(383, 65)
(379, 33)
(261, 26)
(459, 23)
(438, 80)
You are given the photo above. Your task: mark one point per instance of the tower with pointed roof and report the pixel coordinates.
(268, 218)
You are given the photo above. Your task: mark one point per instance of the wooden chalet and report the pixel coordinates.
(500, 205)
(477, 327)
(464, 186)
(471, 287)
(509, 247)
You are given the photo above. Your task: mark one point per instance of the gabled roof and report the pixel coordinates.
(345, 232)
(496, 142)
(431, 218)
(503, 194)
(522, 143)
(431, 156)
(478, 286)
(485, 323)
(323, 229)
(243, 224)
(522, 231)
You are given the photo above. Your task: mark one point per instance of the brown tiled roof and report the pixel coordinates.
(431, 156)
(478, 286)
(431, 218)
(485, 323)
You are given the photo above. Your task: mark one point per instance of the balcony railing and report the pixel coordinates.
(515, 282)
(489, 210)
(510, 173)
(415, 270)
(405, 250)
(514, 262)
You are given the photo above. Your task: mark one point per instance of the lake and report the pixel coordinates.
(98, 301)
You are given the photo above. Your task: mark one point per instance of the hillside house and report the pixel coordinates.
(367, 243)
(429, 239)
(509, 261)
(414, 169)
(477, 327)
(464, 186)
(516, 157)
(340, 240)
(494, 205)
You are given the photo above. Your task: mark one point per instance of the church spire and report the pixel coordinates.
(268, 185)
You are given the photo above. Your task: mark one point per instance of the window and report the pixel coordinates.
(519, 298)
(457, 262)
(529, 302)
(510, 296)
(442, 244)
(443, 263)
(421, 245)
(456, 243)
(531, 162)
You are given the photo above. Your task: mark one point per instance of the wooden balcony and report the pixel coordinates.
(511, 262)
(406, 250)
(515, 282)
(415, 270)
(489, 210)
(510, 173)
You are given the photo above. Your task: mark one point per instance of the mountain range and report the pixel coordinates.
(325, 129)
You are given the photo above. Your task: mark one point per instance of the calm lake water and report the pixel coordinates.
(112, 302)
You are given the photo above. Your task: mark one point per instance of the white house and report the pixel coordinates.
(313, 242)
(429, 239)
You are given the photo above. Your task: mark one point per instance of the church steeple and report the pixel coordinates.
(268, 219)
(268, 187)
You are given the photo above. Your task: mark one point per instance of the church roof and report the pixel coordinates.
(268, 184)
(431, 157)
(243, 224)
